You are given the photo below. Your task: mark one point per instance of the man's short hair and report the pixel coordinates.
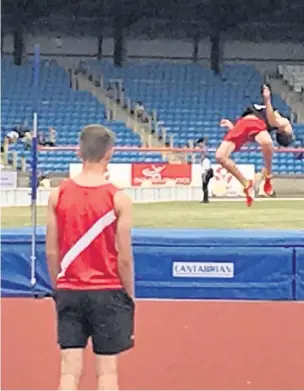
(200, 140)
(95, 141)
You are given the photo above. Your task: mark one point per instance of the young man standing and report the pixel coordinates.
(90, 262)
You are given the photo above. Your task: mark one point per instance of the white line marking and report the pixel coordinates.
(256, 199)
(213, 301)
(220, 301)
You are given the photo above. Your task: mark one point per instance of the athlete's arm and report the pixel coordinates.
(226, 123)
(52, 248)
(270, 113)
(273, 117)
(123, 210)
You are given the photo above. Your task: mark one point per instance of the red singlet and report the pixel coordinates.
(245, 131)
(86, 224)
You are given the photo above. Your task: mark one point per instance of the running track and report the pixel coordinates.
(179, 345)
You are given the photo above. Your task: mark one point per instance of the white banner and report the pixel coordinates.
(8, 179)
(223, 184)
(118, 174)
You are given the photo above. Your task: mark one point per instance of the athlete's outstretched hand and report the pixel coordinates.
(226, 123)
(266, 92)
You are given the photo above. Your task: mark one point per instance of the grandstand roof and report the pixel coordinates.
(192, 16)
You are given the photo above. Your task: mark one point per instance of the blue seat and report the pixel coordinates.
(59, 106)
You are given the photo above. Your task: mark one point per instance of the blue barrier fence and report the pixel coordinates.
(183, 264)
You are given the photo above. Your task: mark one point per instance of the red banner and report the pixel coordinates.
(160, 174)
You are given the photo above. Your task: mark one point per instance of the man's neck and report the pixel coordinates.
(94, 168)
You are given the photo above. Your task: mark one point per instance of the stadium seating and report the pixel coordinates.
(191, 100)
(293, 75)
(59, 107)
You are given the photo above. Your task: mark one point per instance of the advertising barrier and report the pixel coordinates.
(147, 175)
(223, 184)
(182, 264)
(118, 174)
(8, 179)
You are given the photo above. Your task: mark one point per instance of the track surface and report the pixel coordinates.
(179, 345)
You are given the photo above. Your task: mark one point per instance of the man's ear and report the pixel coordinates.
(78, 153)
(109, 154)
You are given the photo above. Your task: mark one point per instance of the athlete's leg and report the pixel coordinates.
(222, 156)
(111, 317)
(72, 337)
(107, 372)
(71, 368)
(264, 139)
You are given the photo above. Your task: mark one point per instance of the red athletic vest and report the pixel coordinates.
(86, 224)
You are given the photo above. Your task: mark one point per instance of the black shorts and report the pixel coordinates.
(107, 316)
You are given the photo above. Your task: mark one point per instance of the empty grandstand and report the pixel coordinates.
(294, 77)
(190, 100)
(60, 107)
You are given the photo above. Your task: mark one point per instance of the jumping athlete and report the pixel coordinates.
(89, 255)
(255, 125)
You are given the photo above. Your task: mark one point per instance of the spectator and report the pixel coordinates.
(12, 137)
(44, 181)
(51, 142)
(110, 92)
(27, 140)
(22, 129)
(19, 132)
(41, 138)
(139, 110)
(82, 68)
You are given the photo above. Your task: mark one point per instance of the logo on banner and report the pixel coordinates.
(222, 182)
(153, 172)
(161, 174)
(203, 269)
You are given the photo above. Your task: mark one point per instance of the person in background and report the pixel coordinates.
(207, 175)
(51, 141)
(11, 137)
(110, 92)
(41, 139)
(44, 181)
(19, 132)
(140, 112)
(22, 129)
(206, 169)
(27, 140)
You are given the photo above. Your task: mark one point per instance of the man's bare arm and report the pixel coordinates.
(226, 123)
(273, 117)
(52, 248)
(123, 210)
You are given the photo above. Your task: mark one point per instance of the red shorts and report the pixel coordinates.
(245, 131)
